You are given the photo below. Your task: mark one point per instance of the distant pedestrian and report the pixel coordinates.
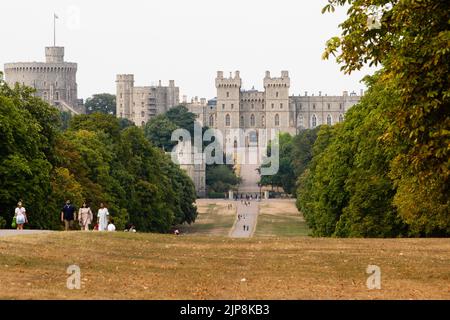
(85, 216)
(176, 232)
(20, 215)
(68, 215)
(102, 217)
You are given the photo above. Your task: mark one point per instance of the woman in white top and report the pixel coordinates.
(102, 218)
(20, 215)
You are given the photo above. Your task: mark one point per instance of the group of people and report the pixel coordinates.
(247, 197)
(85, 217)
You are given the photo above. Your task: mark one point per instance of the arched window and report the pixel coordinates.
(227, 120)
(252, 120)
(341, 118)
(241, 121)
(142, 114)
(211, 120)
(314, 121)
(263, 121)
(300, 121)
(329, 120)
(277, 120)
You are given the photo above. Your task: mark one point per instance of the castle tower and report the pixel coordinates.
(54, 54)
(54, 80)
(277, 101)
(124, 99)
(228, 102)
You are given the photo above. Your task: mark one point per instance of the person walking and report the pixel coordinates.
(68, 215)
(102, 218)
(85, 216)
(20, 215)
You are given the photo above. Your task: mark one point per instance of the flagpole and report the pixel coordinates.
(54, 30)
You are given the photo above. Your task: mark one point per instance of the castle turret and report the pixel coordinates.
(277, 100)
(124, 97)
(228, 97)
(54, 54)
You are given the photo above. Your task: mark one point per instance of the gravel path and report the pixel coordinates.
(246, 216)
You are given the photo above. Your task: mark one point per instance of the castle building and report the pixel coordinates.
(273, 108)
(54, 79)
(140, 104)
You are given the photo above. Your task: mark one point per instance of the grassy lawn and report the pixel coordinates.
(151, 266)
(214, 218)
(280, 218)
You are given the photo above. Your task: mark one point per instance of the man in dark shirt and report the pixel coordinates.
(68, 215)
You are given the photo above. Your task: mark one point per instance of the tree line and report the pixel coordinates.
(47, 157)
(384, 171)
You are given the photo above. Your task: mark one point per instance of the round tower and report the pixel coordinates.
(54, 54)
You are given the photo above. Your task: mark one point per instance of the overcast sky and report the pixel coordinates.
(183, 40)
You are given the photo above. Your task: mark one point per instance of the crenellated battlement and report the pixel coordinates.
(230, 82)
(283, 81)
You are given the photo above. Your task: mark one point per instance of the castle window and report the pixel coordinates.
(281, 106)
(232, 105)
(329, 106)
(273, 105)
(314, 106)
(253, 106)
(45, 95)
(142, 104)
(277, 120)
(121, 96)
(252, 120)
(143, 123)
(329, 120)
(142, 114)
(121, 115)
(313, 121)
(56, 95)
(341, 118)
(228, 94)
(223, 106)
(300, 121)
(276, 94)
(263, 106)
(340, 106)
(263, 121)
(227, 120)
(241, 121)
(211, 121)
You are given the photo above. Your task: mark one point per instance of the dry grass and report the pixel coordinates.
(280, 218)
(150, 266)
(214, 218)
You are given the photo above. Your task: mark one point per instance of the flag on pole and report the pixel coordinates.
(56, 17)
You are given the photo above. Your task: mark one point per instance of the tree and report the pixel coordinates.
(159, 131)
(102, 102)
(412, 44)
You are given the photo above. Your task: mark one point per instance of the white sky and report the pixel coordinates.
(184, 40)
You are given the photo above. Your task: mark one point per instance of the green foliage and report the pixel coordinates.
(220, 178)
(97, 159)
(159, 131)
(295, 155)
(102, 103)
(413, 45)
